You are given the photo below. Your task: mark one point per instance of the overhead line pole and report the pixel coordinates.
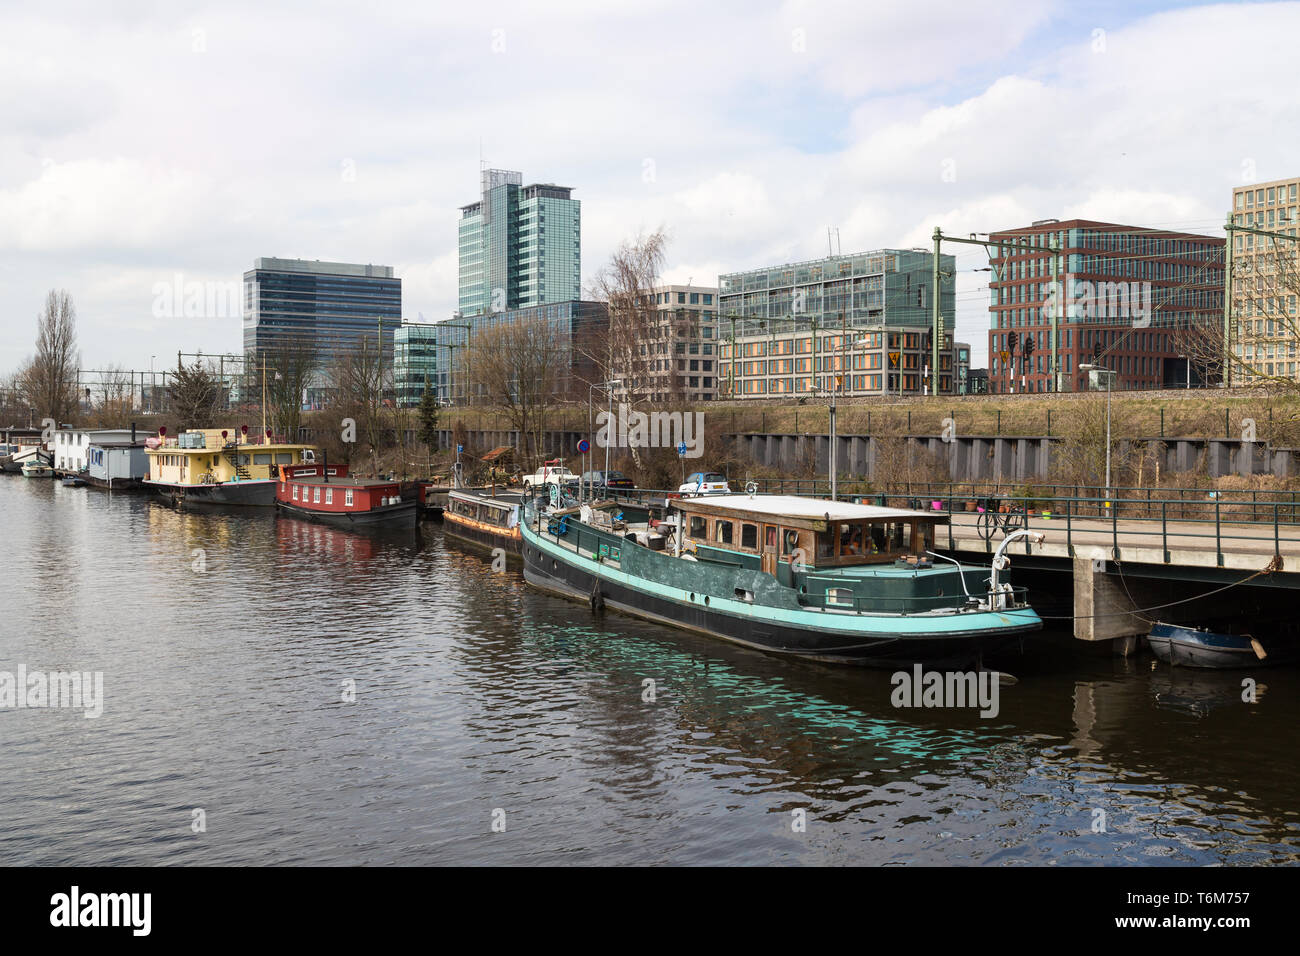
(1022, 245)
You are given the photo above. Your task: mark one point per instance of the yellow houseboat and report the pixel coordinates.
(214, 466)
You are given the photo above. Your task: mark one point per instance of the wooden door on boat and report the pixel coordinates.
(769, 549)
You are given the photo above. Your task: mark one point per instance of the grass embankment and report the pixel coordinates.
(1169, 414)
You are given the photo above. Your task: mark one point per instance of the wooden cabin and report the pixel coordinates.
(765, 531)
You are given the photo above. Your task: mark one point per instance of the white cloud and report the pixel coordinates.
(133, 147)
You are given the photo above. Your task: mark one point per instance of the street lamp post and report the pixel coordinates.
(1110, 379)
(830, 456)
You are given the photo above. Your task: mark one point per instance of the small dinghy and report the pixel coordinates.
(1198, 647)
(72, 481)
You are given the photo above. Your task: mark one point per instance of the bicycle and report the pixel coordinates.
(1003, 514)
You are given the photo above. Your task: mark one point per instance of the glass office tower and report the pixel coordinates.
(520, 246)
(333, 305)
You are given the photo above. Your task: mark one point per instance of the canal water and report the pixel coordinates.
(492, 724)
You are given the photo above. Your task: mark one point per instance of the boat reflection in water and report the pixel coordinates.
(348, 548)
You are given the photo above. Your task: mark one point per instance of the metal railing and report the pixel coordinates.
(1148, 518)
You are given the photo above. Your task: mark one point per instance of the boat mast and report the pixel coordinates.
(264, 397)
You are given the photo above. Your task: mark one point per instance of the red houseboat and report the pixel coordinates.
(324, 493)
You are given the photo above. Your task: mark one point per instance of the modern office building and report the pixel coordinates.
(332, 306)
(869, 360)
(859, 324)
(520, 246)
(577, 327)
(676, 356)
(415, 362)
(1126, 293)
(1265, 281)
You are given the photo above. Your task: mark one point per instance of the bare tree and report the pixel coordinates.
(634, 349)
(359, 392)
(49, 380)
(519, 366)
(14, 407)
(639, 345)
(1080, 457)
(1265, 319)
(113, 396)
(291, 367)
(1202, 345)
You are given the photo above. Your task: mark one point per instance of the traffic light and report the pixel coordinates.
(1027, 350)
(1011, 342)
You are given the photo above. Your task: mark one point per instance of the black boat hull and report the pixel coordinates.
(247, 494)
(483, 540)
(403, 515)
(570, 580)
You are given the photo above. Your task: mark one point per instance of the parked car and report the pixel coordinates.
(551, 473)
(595, 480)
(705, 483)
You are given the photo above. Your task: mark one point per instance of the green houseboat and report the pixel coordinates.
(816, 579)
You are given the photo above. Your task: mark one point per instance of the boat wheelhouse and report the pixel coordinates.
(817, 579)
(481, 518)
(328, 494)
(211, 467)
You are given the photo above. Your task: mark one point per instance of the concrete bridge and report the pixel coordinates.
(1125, 570)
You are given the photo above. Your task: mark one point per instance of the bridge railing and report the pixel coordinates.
(1177, 523)
(1179, 519)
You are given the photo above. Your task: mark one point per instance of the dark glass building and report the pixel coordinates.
(336, 306)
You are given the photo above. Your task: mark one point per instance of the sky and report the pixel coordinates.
(148, 147)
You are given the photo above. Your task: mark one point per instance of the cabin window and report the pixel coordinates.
(295, 492)
(262, 458)
(789, 541)
(722, 532)
(825, 544)
(839, 596)
(769, 534)
(284, 458)
(698, 526)
(749, 536)
(347, 498)
(853, 541)
(744, 595)
(329, 496)
(315, 496)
